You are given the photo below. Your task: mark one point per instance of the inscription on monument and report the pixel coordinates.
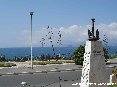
(96, 51)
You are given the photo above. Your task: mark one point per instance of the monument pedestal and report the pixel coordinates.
(94, 67)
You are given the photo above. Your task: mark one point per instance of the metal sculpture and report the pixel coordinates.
(91, 35)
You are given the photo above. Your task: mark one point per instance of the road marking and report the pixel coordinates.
(110, 66)
(68, 69)
(24, 72)
(54, 70)
(38, 71)
(10, 73)
(75, 84)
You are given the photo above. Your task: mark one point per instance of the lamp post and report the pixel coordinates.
(31, 13)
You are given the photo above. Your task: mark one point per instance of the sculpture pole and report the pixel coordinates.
(93, 20)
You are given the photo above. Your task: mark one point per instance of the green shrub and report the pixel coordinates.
(115, 85)
(78, 55)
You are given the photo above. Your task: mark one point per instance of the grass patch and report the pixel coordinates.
(52, 62)
(115, 85)
(46, 62)
(40, 63)
(67, 61)
(4, 64)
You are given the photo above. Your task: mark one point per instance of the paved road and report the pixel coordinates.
(39, 68)
(41, 79)
(50, 79)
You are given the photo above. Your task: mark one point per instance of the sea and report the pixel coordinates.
(38, 51)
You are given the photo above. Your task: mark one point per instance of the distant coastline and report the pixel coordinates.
(11, 52)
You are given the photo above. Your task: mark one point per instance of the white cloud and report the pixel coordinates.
(110, 30)
(73, 35)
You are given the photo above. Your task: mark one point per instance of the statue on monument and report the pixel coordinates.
(91, 35)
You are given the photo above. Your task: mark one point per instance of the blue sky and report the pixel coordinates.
(59, 14)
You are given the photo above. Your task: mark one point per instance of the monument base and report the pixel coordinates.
(94, 67)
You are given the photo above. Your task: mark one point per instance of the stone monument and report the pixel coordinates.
(94, 68)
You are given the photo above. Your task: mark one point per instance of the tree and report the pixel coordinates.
(106, 53)
(78, 55)
(2, 58)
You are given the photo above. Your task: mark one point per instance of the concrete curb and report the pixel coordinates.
(45, 71)
(10, 73)
(24, 72)
(54, 70)
(111, 66)
(38, 72)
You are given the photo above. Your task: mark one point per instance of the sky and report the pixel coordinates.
(71, 17)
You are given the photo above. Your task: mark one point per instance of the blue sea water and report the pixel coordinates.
(38, 51)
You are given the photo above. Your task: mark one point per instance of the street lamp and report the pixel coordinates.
(31, 13)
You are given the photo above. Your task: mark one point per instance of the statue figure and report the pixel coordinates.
(97, 34)
(91, 35)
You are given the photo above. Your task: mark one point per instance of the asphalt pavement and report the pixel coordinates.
(44, 68)
(46, 75)
(39, 69)
(49, 79)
